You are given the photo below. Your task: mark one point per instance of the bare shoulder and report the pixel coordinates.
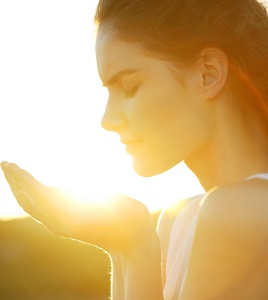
(240, 205)
(229, 258)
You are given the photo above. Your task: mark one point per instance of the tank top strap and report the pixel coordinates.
(259, 176)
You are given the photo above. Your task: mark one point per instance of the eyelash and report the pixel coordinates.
(130, 92)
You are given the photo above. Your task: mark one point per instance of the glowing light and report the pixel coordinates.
(52, 103)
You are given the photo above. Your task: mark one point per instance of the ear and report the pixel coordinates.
(213, 71)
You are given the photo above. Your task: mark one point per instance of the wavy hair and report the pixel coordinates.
(177, 30)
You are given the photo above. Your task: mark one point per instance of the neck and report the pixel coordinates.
(239, 150)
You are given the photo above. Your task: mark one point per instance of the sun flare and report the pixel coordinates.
(53, 102)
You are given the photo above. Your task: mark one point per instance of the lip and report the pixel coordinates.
(128, 142)
(131, 144)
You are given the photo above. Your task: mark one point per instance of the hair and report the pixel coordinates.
(177, 30)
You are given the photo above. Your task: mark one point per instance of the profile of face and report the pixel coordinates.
(157, 111)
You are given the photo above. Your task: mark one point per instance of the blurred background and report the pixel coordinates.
(51, 106)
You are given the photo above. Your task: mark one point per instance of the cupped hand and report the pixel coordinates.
(119, 224)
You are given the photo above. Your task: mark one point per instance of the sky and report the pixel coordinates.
(51, 107)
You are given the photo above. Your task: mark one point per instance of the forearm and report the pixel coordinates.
(143, 276)
(137, 276)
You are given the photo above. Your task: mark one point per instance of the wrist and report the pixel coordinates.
(148, 249)
(137, 273)
(142, 272)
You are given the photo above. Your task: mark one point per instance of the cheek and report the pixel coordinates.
(154, 110)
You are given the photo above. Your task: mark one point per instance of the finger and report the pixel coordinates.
(25, 181)
(28, 204)
(21, 175)
(40, 214)
(23, 201)
(26, 197)
(13, 185)
(34, 197)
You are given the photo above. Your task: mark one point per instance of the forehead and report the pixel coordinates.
(114, 54)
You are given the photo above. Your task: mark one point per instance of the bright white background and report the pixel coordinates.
(51, 106)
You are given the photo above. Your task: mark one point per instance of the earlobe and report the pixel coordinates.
(213, 66)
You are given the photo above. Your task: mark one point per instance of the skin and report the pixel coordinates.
(176, 110)
(230, 245)
(165, 116)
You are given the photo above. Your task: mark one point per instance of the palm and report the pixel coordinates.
(119, 224)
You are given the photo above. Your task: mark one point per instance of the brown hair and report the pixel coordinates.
(177, 30)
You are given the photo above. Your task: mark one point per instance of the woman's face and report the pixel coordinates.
(158, 113)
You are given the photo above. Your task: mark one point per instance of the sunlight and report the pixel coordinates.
(52, 104)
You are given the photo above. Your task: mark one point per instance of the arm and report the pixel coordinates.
(164, 226)
(229, 260)
(122, 226)
(138, 276)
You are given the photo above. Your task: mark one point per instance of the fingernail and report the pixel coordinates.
(3, 164)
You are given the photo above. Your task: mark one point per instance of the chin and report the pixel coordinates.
(149, 169)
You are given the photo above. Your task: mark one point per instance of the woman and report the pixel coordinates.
(187, 81)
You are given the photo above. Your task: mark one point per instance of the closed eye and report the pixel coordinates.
(130, 92)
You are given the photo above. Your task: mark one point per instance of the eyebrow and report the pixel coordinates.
(118, 76)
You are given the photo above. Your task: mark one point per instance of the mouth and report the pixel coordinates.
(129, 141)
(130, 144)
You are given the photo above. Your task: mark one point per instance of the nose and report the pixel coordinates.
(113, 118)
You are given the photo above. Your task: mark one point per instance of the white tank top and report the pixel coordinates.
(180, 244)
